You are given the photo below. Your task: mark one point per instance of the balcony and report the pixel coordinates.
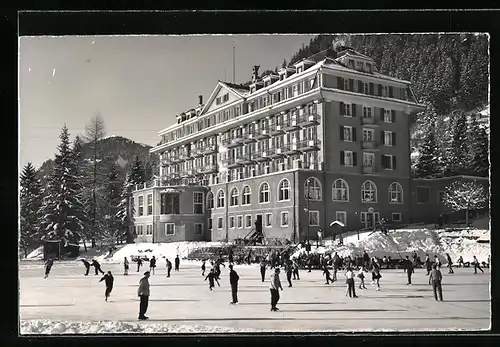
(166, 161)
(309, 145)
(187, 173)
(290, 125)
(369, 169)
(173, 175)
(369, 121)
(369, 144)
(208, 169)
(313, 165)
(260, 156)
(276, 129)
(196, 152)
(184, 156)
(209, 149)
(231, 163)
(276, 152)
(308, 119)
(232, 142)
(249, 137)
(290, 149)
(262, 133)
(245, 159)
(175, 159)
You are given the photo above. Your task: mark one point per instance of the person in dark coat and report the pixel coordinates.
(295, 265)
(125, 266)
(309, 262)
(177, 262)
(326, 272)
(263, 269)
(366, 260)
(435, 280)
(48, 266)
(212, 278)
(152, 265)
(409, 269)
(337, 264)
(169, 267)
(139, 263)
(231, 256)
(87, 266)
(203, 268)
(476, 265)
(289, 270)
(233, 280)
(108, 280)
(143, 293)
(428, 265)
(450, 264)
(97, 267)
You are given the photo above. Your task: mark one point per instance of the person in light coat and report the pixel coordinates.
(143, 293)
(350, 282)
(274, 287)
(435, 279)
(125, 266)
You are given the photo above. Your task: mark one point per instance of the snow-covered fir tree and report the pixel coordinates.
(62, 211)
(80, 167)
(126, 211)
(458, 150)
(478, 144)
(427, 164)
(112, 206)
(465, 196)
(137, 172)
(30, 199)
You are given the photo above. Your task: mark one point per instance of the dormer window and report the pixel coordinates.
(252, 89)
(359, 65)
(351, 63)
(369, 67)
(218, 101)
(299, 69)
(225, 97)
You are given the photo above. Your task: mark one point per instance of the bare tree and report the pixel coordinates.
(94, 132)
(465, 195)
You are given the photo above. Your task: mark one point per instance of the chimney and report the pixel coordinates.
(200, 97)
(255, 73)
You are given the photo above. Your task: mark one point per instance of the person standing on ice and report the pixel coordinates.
(476, 265)
(212, 278)
(125, 266)
(263, 269)
(152, 265)
(326, 272)
(97, 267)
(87, 266)
(289, 270)
(177, 262)
(295, 265)
(409, 269)
(376, 275)
(450, 264)
(169, 267)
(361, 276)
(139, 263)
(108, 280)
(203, 267)
(48, 266)
(336, 265)
(143, 293)
(428, 265)
(274, 287)
(366, 260)
(437, 261)
(233, 280)
(350, 282)
(435, 280)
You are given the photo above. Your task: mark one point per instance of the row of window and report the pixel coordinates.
(168, 228)
(386, 115)
(350, 158)
(169, 204)
(313, 191)
(348, 134)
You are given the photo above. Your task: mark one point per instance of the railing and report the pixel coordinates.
(308, 144)
(208, 149)
(368, 144)
(290, 124)
(228, 141)
(369, 169)
(308, 118)
(368, 120)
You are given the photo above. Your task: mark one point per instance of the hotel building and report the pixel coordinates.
(322, 140)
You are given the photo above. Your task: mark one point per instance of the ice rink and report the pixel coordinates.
(310, 304)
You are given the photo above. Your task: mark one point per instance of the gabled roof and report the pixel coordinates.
(351, 51)
(239, 90)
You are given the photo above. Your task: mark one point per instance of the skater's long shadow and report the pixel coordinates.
(55, 305)
(291, 303)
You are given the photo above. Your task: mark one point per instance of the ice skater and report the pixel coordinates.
(203, 268)
(87, 266)
(409, 269)
(97, 267)
(125, 266)
(428, 265)
(350, 282)
(212, 278)
(289, 270)
(437, 261)
(233, 280)
(143, 293)
(152, 265)
(337, 264)
(361, 276)
(108, 280)
(476, 265)
(274, 287)
(376, 275)
(450, 264)
(263, 269)
(295, 265)
(326, 272)
(435, 280)
(169, 267)
(177, 262)
(48, 266)
(139, 263)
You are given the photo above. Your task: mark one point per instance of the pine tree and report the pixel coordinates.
(61, 212)
(458, 150)
(126, 211)
(284, 64)
(465, 196)
(80, 170)
(137, 174)
(478, 144)
(30, 198)
(427, 164)
(113, 199)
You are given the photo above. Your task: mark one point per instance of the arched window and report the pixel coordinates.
(368, 192)
(220, 199)
(312, 189)
(210, 200)
(340, 190)
(264, 193)
(246, 195)
(284, 190)
(395, 193)
(234, 197)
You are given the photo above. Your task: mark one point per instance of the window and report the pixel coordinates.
(225, 97)
(313, 218)
(367, 112)
(150, 204)
(210, 200)
(388, 162)
(351, 63)
(368, 192)
(138, 230)
(269, 220)
(441, 195)
(366, 217)
(388, 137)
(149, 229)
(423, 194)
(340, 190)
(198, 229)
(346, 84)
(219, 223)
(240, 222)
(141, 206)
(347, 133)
(231, 222)
(234, 197)
(396, 217)
(341, 216)
(359, 65)
(368, 135)
(365, 89)
(198, 202)
(369, 67)
(248, 221)
(246, 195)
(284, 190)
(218, 101)
(348, 157)
(387, 116)
(169, 229)
(264, 193)
(220, 199)
(210, 223)
(368, 159)
(284, 219)
(346, 109)
(170, 203)
(312, 189)
(395, 193)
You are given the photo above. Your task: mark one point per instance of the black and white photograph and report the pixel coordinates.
(254, 183)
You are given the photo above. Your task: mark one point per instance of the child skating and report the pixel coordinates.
(212, 277)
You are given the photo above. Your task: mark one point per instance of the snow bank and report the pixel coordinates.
(37, 254)
(160, 250)
(43, 326)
